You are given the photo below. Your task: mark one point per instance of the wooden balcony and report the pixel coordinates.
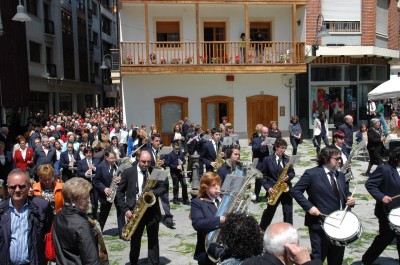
(212, 57)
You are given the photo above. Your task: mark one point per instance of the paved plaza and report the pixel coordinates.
(177, 245)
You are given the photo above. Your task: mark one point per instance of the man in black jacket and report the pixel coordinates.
(133, 181)
(31, 217)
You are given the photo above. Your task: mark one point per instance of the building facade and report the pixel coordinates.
(351, 61)
(187, 59)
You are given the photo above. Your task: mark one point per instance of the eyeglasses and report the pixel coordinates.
(337, 159)
(13, 187)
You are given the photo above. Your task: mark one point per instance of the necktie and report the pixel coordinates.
(89, 161)
(334, 185)
(112, 169)
(217, 202)
(144, 172)
(280, 166)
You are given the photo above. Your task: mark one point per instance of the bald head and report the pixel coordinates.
(264, 131)
(277, 235)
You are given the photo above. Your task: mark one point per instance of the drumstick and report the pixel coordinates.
(328, 216)
(395, 197)
(345, 209)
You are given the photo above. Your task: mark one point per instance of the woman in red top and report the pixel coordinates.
(23, 157)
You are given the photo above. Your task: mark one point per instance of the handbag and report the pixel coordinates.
(49, 250)
(299, 141)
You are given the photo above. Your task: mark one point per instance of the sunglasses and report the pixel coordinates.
(13, 187)
(337, 159)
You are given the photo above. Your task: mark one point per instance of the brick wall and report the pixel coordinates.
(368, 22)
(312, 11)
(393, 24)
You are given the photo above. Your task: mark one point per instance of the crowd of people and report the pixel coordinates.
(57, 174)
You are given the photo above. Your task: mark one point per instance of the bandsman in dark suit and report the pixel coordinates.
(271, 168)
(194, 143)
(68, 161)
(383, 184)
(133, 181)
(260, 150)
(102, 182)
(338, 142)
(327, 192)
(95, 135)
(86, 170)
(210, 149)
(202, 213)
(44, 154)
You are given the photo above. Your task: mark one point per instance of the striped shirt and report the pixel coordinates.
(19, 252)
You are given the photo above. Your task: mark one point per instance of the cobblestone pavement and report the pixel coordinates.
(177, 245)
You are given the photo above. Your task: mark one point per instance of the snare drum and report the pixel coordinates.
(342, 233)
(394, 220)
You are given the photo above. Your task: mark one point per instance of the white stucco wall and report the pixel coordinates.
(139, 92)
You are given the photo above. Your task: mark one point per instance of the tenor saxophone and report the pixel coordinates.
(219, 160)
(113, 188)
(279, 187)
(146, 199)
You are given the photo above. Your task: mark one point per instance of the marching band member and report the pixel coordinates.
(260, 151)
(230, 165)
(338, 142)
(327, 192)
(375, 144)
(68, 160)
(175, 161)
(194, 144)
(102, 182)
(133, 180)
(202, 213)
(382, 184)
(271, 168)
(209, 152)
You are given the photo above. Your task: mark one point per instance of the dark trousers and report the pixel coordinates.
(257, 188)
(94, 201)
(287, 208)
(103, 215)
(318, 138)
(165, 201)
(152, 226)
(381, 241)
(176, 179)
(322, 248)
(294, 144)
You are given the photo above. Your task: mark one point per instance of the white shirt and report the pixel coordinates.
(23, 153)
(140, 181)
(2, 159)
(344, 157)
(215, 146)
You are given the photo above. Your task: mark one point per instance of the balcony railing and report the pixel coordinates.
(223, 52)
(48, 27)
(51, 70)
(343, 26)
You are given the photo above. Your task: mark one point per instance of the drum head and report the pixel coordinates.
(337, 229)
(394, 216)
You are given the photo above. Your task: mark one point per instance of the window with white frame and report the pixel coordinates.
(342, 15)
(382, 7)
(167, 31)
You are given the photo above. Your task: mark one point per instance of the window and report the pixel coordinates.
(31, 7)
(167, 31)
(106, 25)
(34, 52)
(95, 38)
(342, 15)
(260, 27)
(382, 7)
(343, 26)
(94, 8)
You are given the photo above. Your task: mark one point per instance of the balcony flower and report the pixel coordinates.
(141, 61)
(153, 58)
(175, 60)
(189, 59)
(237, 59)
(163, 60)
(214, 60)
(128, 59)
(203, 59)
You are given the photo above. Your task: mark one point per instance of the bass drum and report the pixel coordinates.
(342, 227)
(394, 220)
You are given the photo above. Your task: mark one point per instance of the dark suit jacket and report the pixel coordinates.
(40, 157)
(223, 171)
(384, 181)
(83, 166)
(64, 159)
(8, 166)
(128, 188)
(91, 137)
(171, 161)
(208, 155)
(269, 259)
(102, 180)
(203, 221)
(259, 151)
(269, 168)
(320, 194)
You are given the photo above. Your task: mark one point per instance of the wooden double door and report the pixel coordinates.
(261, 109)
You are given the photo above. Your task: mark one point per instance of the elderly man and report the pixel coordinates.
(347, 129)
(260, 150)
(281, 245)
(25, 221)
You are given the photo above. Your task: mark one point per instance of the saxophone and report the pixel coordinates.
(146, 199)
(219, 160)
(279, 187)
(113, 188)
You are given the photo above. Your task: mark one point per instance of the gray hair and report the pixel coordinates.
(347, 117)
(44, 138)
(374, 121)
(275, 242)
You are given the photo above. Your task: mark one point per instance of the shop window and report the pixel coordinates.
(366, 72)
(168, 31)
(326, 73)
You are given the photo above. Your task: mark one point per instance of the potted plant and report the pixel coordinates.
(203, 59)
(237, 59)
(163, 60)
(226, 59)
(282, 58)
(141, 60)
(175, 60)
(153, 58)
(189, 59)
(128, 59)
(214, 60)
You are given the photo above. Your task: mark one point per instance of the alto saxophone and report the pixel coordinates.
(279, 187)
(145, 200)
(113, 188)
(219, 160)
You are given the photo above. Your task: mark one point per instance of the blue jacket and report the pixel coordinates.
(39, 222)
(171, 161)
(82, 166)
(102, 180)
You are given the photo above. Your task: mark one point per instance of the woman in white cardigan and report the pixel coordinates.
(320, 131)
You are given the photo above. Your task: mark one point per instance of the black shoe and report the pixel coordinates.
(175, 201)
(186, 202)
(169, 223)
(256, 201)
(367, 174)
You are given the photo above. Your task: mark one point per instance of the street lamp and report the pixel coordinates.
(103, 63)
(21, 16)
(322, 32)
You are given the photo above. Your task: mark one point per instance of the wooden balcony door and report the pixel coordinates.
(214, 31)
(261, 109)
(168, 111)
(214, 108)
